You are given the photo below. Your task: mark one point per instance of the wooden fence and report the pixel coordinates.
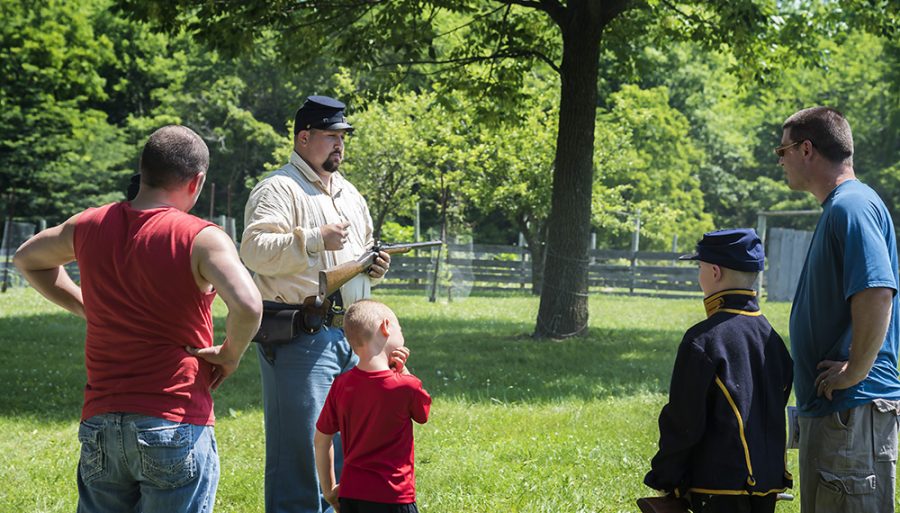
(508, 268)
(466, 268)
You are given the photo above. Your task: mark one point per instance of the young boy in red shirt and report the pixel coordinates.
(371, 406)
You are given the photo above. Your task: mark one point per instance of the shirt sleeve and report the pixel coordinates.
(328, 419)
(420, 405)
(682, 421)
(271, 244)
(860, 236)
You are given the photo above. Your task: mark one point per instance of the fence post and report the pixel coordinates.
(635, 244)
(761, 220)
(434, 280)
(417, 228)
(4, 245)
(231, 228)
(212, 198)
(522, 253)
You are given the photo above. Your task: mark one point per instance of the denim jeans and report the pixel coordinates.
(848, 459)
(295, 383)
(136, 463)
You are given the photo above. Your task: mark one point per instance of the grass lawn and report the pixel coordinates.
(517, 425)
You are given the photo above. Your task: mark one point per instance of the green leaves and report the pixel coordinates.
(50, 138)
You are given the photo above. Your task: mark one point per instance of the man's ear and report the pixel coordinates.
(196, 183)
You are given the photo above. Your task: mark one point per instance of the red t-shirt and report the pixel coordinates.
(372, 410)
(143, 306)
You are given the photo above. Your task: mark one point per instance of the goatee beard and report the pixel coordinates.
(330, 166)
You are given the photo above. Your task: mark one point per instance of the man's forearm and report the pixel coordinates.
(275, 249)
(870, 310)
(40, 259)
(240, 327)
(56, 285)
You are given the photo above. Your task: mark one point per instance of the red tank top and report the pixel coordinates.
(143, 307)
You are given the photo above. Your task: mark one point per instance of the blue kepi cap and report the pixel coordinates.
(323, 113)
(738, 248)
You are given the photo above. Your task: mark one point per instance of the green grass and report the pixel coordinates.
(517, 424)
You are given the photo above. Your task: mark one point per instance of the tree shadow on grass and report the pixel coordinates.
(43, 374)
(473, 360)
(504, 364)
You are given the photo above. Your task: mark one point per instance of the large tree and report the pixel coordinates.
(402, 36)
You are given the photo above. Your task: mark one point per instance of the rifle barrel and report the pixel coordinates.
(403, 248)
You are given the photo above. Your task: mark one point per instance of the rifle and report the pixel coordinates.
(332, 279)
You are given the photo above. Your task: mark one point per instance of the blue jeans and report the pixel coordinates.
(132, 462)
(296, 380)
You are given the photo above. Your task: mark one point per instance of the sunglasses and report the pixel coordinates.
(781, 149)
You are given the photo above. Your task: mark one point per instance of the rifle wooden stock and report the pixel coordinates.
(662, 505)
(332, 279)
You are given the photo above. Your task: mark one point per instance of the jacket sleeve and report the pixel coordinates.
(788, 374)
(272, 244)
(683, 420)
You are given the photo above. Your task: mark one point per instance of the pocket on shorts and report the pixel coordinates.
(884, 429)
(843, 419)
(845, 493)
(92, 460)
(167, 455)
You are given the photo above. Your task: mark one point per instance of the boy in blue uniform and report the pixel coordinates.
(722, 434)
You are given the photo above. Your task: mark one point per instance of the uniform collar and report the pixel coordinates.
(736, 301)
(337, 181)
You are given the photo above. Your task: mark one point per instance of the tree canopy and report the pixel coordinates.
(550, 119)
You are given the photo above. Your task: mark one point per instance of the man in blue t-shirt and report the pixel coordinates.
(844, 325)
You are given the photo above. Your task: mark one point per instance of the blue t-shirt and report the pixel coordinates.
(852, 249)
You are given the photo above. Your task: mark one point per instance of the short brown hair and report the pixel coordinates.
(362, 320)
(173, 155)
(828, 131)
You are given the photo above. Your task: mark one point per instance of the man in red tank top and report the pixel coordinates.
(149, 273)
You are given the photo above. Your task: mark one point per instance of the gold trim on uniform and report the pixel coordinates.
(740, 422)
(716, 302)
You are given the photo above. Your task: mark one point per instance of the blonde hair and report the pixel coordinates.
(743, 279)
(362, 320)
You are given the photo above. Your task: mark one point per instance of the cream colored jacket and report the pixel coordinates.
(282, 243)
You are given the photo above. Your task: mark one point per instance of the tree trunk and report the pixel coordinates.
(563, 309)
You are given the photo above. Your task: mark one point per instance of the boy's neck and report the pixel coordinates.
(373, 363)
(719, 290)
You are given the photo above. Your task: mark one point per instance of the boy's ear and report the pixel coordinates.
(385, 327)
(717, 272)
